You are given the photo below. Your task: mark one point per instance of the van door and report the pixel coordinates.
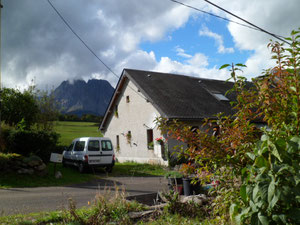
(77, 154)
(68, 154)
(94, 152)
(106, 152)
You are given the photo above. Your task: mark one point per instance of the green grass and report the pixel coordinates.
(105, 210)
(72, 176)
(138, 170)
(69, 176)
(71, 130)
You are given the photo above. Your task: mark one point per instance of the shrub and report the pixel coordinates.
(6, 160)
(40, 143)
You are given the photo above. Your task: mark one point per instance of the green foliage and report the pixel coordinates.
(7, 159)
(271, 188)
(188, 209)
(48, 112)
(25, 142)
(18, 106)
(262, 180)
(271, 192)
(83, 118)
(174, 174)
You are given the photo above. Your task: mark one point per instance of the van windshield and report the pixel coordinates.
(79, 146)
(106, 146)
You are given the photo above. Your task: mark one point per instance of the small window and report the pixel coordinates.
(150, 142)
(94, 145)
(127, 99)
(116, 111)
(220, 97)
(106, 146)
(118, 141)
(79, 146)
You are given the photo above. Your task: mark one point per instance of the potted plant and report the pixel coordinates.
(190, 185)
(151, 145)
(159, 140)
(175, 181)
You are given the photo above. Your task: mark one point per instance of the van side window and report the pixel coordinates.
(94, 145)
(106, 146)
(79, 146)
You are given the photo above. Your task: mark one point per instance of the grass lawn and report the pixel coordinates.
(138, 170)
(72, 176)
(71, 130)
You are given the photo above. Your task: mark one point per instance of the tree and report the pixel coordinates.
(261, 177)
(18, 106)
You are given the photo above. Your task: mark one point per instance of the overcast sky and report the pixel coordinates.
(155, 35)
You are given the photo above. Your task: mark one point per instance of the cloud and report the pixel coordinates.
(170, 66)
(218, 39)
(276, 16)
(181, 52)
(37, 45)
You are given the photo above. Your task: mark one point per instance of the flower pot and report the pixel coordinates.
(189, 188)
(174, 181)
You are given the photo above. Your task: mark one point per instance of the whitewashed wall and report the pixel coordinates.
(136, 116)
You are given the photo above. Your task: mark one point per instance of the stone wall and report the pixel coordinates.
(22, 165)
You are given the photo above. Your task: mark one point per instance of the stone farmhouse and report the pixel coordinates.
(142, 96)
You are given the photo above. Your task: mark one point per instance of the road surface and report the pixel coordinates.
(27, 200)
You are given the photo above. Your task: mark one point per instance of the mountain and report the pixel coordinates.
(80, 97)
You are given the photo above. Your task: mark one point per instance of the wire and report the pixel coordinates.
(86, 45)
(257, 27)
(253, 27)
(211, 14)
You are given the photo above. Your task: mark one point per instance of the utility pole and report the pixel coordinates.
(1, 6)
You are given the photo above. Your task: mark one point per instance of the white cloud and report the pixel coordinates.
(276, 16)
(169, 66)
(181, 52)
(218, 39)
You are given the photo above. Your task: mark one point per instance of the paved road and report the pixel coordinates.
(26, 200)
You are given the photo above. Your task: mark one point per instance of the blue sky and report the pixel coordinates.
(187, 38)
(156, 35)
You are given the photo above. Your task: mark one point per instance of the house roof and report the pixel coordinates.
(179, 96)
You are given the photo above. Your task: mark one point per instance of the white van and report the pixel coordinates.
(87, 152)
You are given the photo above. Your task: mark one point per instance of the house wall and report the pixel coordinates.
(135, 116)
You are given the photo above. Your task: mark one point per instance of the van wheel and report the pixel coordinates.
(108, 169)
(81, 167)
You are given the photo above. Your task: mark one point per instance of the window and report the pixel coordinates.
(220, 97)
(127, 99)
(94, 145)
(118, 141)
(70, 147)
(106, 146)
(150, 139)
(79, 146)
(116, 111)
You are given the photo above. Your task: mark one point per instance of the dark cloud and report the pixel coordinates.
(36, 44)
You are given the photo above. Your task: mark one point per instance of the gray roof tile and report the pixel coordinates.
(183, 97)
